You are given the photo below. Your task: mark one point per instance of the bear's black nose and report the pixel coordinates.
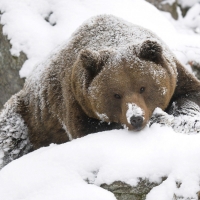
(136, 121)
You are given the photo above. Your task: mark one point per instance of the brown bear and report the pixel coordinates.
(110, 74)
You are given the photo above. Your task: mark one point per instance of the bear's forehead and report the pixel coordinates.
(131, 78)
(128, 56)
(134, 69)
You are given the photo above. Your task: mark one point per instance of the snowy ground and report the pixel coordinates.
(59, 171)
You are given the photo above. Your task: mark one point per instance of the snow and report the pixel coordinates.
(62, 171)
(102, 117)
(188, 3)
(192, 18)
(68, 133)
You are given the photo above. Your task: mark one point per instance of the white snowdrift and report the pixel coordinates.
(61, 171)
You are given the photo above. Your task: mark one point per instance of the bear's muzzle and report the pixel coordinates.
(137, 122)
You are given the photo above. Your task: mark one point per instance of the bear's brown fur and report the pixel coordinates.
(109, 74)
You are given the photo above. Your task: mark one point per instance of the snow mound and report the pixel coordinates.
(63, 171)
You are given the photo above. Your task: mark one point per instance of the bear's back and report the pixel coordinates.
(107, 31)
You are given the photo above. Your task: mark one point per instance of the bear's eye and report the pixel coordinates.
(142, 89)
(117, 96)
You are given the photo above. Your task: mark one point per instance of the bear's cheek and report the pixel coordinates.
(107, 111)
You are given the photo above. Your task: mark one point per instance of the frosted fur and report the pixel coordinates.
(102, 116)
(189, 108)
(133, 110)
(14, 140)
(121, 43)
(188, 120)
(161, 117)
(68, 134)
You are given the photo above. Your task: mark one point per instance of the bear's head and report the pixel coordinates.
(123, 86)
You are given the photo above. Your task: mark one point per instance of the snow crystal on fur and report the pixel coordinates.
(186, 120)
(14, 140)
(102, 116)
(133, 110)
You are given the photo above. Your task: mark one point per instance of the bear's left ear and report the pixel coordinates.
(151, 50)
(92, 61)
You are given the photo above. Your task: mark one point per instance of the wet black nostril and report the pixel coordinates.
(136, 121)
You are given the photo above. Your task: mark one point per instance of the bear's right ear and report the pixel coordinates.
(91, 61)
(151, 50)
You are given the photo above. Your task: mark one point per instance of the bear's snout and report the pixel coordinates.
(135, 117)
(136, 122)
